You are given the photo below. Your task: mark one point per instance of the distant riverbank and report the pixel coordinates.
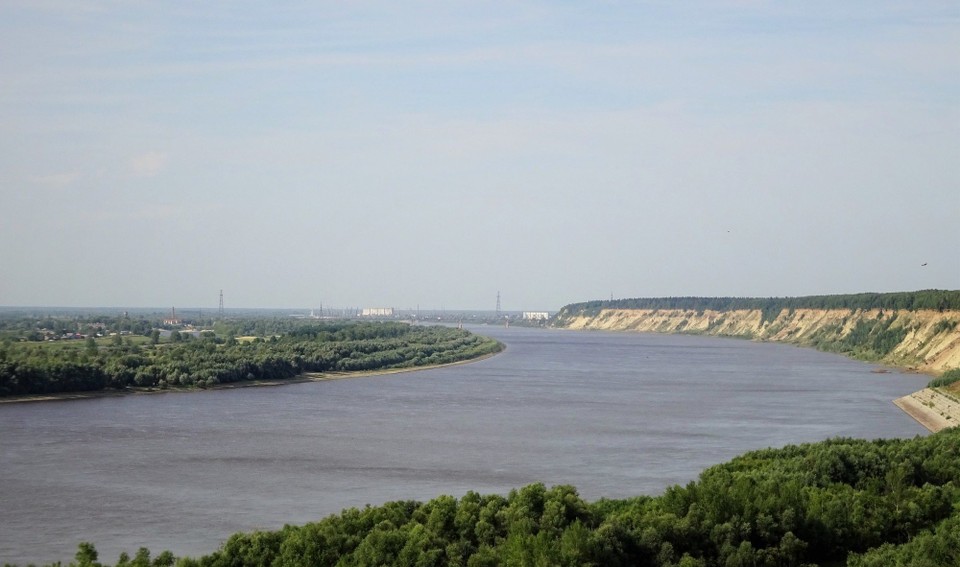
(302, 378)
(923, 340)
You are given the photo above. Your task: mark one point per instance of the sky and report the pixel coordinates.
(436, 153)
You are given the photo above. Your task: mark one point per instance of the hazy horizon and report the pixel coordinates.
(435, 154)
(330, 309)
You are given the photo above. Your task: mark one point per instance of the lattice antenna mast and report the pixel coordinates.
(220, 312)
(498, 304)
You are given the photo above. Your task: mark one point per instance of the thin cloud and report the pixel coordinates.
(148, 164)
(145, 213)
(56, 180)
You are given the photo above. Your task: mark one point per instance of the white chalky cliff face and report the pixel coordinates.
(928, 344)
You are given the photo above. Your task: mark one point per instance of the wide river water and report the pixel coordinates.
(614, 414)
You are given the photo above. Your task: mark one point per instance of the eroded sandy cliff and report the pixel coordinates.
(926, 340)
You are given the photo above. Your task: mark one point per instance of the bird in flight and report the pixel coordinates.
(923, 264)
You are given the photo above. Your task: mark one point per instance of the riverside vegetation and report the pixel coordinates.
(280, 349)
(837, 502)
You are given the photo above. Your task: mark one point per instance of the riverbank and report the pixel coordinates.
(303, 378)
(926, 341)
(932, 408)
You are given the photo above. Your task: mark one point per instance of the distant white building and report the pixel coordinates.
(172, 320)
(377, 312)
(536, 315)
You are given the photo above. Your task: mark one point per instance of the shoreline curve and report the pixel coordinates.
(299, 379)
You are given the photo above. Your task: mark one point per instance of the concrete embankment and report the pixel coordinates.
(934, 409)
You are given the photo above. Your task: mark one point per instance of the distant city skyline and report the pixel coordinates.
(396, 154)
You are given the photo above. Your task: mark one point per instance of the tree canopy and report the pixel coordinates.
(41, 368)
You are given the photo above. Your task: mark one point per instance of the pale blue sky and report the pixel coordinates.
(434, 153)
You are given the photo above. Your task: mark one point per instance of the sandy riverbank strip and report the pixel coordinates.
(933, 409)
(306, 377)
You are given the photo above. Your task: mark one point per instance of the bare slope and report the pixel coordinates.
(925, 340)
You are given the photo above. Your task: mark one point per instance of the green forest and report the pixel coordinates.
(237, 351)
(772, 306)
(837, 502)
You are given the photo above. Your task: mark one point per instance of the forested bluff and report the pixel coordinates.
(915, 330)
(837, 502)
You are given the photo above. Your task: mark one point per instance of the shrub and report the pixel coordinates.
(945, 379)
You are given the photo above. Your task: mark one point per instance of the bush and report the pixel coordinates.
(945, 379)
(944, 326)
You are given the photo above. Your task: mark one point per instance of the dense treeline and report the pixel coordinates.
(29, 368)
(20, 327)
(886, 502)
(772, 306)
(264, 326)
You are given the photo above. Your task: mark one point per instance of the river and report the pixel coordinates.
(614, 414)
